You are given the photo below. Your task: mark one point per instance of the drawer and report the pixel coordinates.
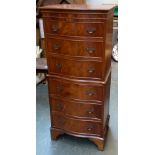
(90, 29)
(75, 125)
(75, 90)
(75, 47)
(84, 69)
(77, 109)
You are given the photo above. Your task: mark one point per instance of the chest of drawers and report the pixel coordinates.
(78, 42)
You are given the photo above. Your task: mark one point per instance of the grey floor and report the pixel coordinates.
(69, 145)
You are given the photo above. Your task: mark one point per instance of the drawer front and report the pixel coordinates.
(90, 29)
(78, 91)
(75, 47)
(75, 68)
(76, 126)
(77, 109)
(61, 28)
(74, 28)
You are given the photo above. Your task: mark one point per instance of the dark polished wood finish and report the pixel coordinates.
(82, 29)
(76, 90)
(80, 7)
(87, 110)
(77, 126)
(82, 48)
(78, 42)
(89, 69)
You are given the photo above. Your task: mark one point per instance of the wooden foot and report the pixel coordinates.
(98, 142)
(55, 133)
(101, 142)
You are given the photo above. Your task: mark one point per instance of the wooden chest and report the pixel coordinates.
(78, 41)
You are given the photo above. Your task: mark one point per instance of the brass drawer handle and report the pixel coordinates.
(59, 88)
(90, 111)
(90, 93)
(91, 30)
(91, 70)
(55, 28)
(56, 46)
(90, 128)
(59, 106)
(58, 66)
(90, 50)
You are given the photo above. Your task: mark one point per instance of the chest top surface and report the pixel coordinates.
(105, 7)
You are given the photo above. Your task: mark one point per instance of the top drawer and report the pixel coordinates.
(90, 29)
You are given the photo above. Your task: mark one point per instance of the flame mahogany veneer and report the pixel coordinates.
(78, 42)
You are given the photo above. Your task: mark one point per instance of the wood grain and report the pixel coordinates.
(78, 44)
(84, 110)
(82, 48)
(76, 90)
(67, 28)
(104, 8)
(89, 69)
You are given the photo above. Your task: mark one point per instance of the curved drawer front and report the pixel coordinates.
(75, 68)
(77, 109)
(75, 47)
(78, 91)
(75, 125)
(74, 28)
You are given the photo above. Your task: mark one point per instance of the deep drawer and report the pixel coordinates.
(90, 29)
(83, 69)
(75, 125)
(77, 109)
(75, 47)
(79, 91)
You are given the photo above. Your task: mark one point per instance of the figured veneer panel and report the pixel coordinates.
(80, 110)
(74, 28)
(75, 47)
(76, 126)
(76, 90)
(75, 68)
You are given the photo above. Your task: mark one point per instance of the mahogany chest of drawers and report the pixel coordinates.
(78, 44)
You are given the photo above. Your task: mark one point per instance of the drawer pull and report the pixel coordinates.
(91, 70)
(90, 128)
(55, 28)
(90, 111)
(91, 30)
(58, 66)
(90, 93)
(59, 106)
(90, 50)
(56, 46)
(59, 88)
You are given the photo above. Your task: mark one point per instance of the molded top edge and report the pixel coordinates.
(104, 7)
